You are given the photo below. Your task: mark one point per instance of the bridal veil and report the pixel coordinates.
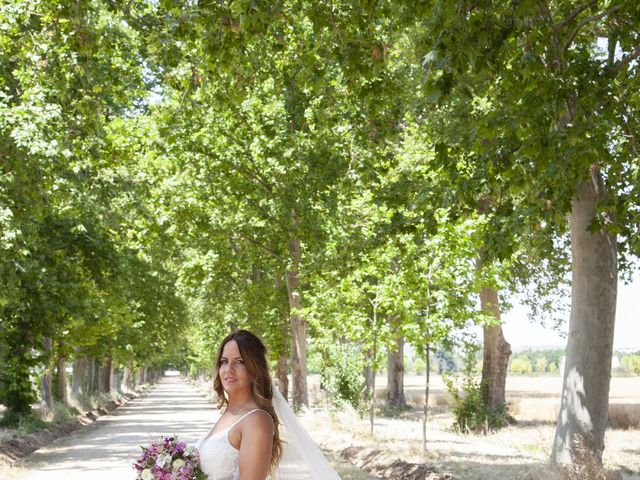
(301, 458)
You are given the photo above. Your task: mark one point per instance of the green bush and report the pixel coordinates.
(62, 413)
(631, 363)
(542, 364)
(27, 423)
(521, 365)
(419, 366)
(469, 409)
(342, 377)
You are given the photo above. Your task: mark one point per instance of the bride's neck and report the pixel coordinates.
(240, 401)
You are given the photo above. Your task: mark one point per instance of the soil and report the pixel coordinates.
(376, 462)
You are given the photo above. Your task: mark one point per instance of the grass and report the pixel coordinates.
(529, 448)
(23, 424)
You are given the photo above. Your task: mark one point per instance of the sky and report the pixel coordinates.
(521, 333)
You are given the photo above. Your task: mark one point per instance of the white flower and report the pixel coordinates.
(177, 464)
(163, 459)
(146, 474)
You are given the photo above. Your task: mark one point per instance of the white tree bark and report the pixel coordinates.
(79, 377)
(298, 329)
(585, 392)
(127, 380)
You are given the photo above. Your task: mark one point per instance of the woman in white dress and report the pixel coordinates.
(245, 442)
(251, 441)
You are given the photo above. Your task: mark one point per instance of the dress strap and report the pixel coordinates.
(247, 414)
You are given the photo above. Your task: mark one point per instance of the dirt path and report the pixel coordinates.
(107, 448)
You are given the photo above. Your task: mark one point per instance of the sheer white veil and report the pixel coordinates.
(301, 458)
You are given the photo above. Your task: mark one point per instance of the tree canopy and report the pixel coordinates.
(342, 173)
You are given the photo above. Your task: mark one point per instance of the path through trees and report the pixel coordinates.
(107, 449)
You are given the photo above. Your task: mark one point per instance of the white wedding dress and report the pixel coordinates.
(301, 459)
(220, 460)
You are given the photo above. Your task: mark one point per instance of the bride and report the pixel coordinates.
(258, 436)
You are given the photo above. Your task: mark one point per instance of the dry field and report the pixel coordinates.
(520, 451)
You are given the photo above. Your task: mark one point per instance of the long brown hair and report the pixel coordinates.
(254, 355)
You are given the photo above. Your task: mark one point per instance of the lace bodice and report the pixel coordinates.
(219, 459)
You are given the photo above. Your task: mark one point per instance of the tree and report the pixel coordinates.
(68, 73)
(521, 365)
(541, 99)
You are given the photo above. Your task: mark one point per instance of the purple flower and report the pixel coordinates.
(160, 457)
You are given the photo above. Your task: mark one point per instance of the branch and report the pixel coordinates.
(562, 23)
(259, 245)
(592, 18)
(262, 210)
(253, 175)
(627, 59)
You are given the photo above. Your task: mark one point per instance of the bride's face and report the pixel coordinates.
(234, 374)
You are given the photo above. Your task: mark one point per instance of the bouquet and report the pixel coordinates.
(169, 459)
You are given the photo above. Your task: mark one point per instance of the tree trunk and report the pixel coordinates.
(127, 383)
(116, 378)
(90, 376)
(94, 376)
(46, 391)
(281, 375)
(427, 362)
(105, 376)
(587, 374)
(374, 355)
(79, 377)
(395, 375)
(282, 369)
(298, 329)
(61, 381)
(367, 372)
(496, 353)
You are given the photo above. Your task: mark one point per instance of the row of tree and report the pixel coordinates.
(354, 173)
(83, 265)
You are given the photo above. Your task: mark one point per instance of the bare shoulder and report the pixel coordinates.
(259, 421)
